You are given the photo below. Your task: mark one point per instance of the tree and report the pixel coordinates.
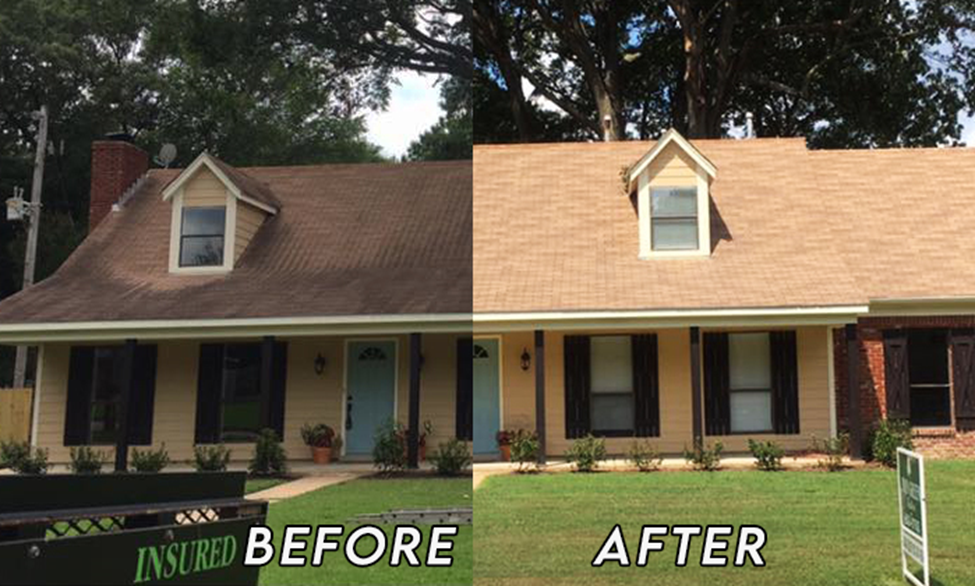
(428, 36)
(699, 65)
(450, 137)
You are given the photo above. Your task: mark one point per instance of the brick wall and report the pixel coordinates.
(872, 397)
(115, 166)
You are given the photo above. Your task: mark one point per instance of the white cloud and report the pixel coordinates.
(414, 106)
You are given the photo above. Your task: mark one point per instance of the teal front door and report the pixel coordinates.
(487, 407)
(370, 392)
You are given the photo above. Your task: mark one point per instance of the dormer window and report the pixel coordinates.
(216, 212)
(673, 217)
(672, 184)
(202, 237)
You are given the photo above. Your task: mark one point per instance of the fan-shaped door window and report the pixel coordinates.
(480, 352)
(372, 353)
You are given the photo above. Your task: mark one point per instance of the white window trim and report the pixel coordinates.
(645, 188)
(229, 238)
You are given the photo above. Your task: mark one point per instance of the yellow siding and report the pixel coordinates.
(310, 398)
(675, 392)
(672, 168)
(249, 220)
(203, 190)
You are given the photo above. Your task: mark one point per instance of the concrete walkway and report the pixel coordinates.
(303, 485)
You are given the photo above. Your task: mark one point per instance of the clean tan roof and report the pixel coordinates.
(347, 240)
(791, 228)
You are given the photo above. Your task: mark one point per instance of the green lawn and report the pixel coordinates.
(337, 504)
(259, 484)
(824, 529)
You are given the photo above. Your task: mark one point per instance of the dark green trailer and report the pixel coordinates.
(168, 528)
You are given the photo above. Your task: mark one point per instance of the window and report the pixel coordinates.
(201, 237)
(750, 374)
(106, 395)
(611, 398)
(673, 217)
(241, 407)
(928, 373)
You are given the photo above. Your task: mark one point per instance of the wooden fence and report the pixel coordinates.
(15, 414)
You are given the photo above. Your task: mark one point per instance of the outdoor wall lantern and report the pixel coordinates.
(320, 364)
(526, 360)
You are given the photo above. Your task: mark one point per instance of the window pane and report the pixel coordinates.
(927, 356)
(201, 251)
(203, 221)
(106, 392)
(931, 406)
(671, 202)
(751, 411)
(611, 361)
(749, 361)
(611, 412)
(671, 234)
(242, 401)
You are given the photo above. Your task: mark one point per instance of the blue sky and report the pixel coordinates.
(414, 106)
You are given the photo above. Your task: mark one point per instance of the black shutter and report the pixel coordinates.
(279, 383)
(897, 378)
(963, 377)
(465, 390)
(785, 382)
(717, 401)
(208, 393)
(77, 419)
(577, 382)
(646, 398)
(143, 400)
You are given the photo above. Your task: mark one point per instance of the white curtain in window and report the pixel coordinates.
(751, 411)
(750, 361)
(612, 364)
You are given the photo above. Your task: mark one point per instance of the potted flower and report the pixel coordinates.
(504, 439)
(404, 435)
(320, 438)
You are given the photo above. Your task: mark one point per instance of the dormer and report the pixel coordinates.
(673, 184)
(216, 211)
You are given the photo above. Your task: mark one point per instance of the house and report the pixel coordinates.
(684, 291)
(210, 302)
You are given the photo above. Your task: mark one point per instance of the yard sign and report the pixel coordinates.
(914, 519)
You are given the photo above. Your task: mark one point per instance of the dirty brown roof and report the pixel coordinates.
(555, 231)
(347, 240)
(252, 188)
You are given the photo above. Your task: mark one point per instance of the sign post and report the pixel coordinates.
(913, 515)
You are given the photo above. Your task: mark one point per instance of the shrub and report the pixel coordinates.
(85, 460)
(211, 458)
(269, 458)
(524, 450)
(452, 457)
(833, 450)
(388, 454)
(705, 458)
(889, 435)
(150, 460)
(13, 453)
(644, 456)
(317, 436)
(768, 455)
(35, 462)
(586, 453)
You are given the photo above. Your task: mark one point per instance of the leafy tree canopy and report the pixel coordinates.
(844, 73)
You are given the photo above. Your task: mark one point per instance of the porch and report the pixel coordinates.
(179, 393)
(670, 386)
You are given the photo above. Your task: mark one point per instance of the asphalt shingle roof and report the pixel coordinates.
(347, 240)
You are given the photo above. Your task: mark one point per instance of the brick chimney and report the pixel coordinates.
(116, 164)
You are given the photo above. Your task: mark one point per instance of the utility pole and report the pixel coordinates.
(33, 224)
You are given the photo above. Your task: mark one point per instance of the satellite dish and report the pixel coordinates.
(167, 154)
